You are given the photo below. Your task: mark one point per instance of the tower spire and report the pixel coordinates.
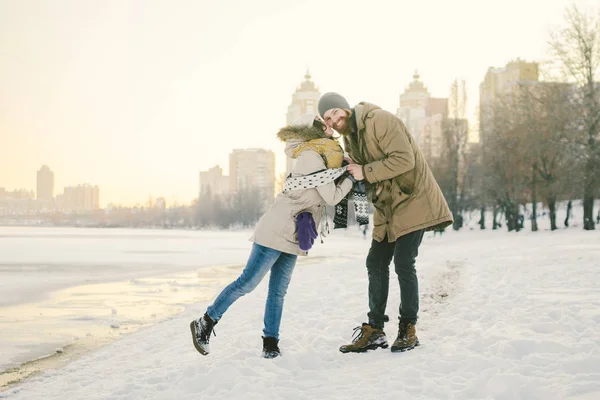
(307, 75)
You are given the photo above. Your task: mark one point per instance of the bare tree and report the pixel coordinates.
(576, 50)
(475, 186)
(205, 208)
(247, 206)
(471, 195)
(547, 123)
(453, 158)
(506, 173)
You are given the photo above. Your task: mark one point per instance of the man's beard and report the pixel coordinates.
(347, 128)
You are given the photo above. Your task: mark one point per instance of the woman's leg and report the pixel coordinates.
(281, 274)
(260, 262)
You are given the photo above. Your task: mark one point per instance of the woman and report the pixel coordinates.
(275, 238)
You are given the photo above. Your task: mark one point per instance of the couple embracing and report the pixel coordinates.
(384, 163)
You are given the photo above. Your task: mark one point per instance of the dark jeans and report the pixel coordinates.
(404, 251)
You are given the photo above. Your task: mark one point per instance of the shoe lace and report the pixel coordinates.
(207, 329)
(357, 334)
(402, 330)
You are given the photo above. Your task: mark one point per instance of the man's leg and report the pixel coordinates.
(371, 336)
(405, 254)
(378, 269)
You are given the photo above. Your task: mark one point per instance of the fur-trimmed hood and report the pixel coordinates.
(295, 135)
(298, 132)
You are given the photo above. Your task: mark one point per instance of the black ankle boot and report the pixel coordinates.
(202, 329)
(270, 347)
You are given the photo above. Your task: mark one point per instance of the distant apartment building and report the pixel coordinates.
(45, 184)
(19, 201)
(424, 117)
(502, 82)
(304, 101)
(17, 194)
(214, 182)
(79, 198)
(160, 203)
(253, 169)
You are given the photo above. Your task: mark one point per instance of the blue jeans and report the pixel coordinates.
(262, 259)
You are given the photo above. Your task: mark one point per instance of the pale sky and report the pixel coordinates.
(138, 97)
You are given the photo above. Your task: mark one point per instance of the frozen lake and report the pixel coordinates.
(78, 289)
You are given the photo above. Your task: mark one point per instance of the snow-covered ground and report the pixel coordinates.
(503, 316)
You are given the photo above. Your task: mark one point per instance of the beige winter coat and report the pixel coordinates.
(403, 190)
(277, 227)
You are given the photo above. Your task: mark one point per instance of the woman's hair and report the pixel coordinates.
(319, 124)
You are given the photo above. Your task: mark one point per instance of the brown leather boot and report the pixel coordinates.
(407, 337)
(366, 338)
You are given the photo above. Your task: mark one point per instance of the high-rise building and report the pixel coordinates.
(214, 182)
(304, 101)
(160, 203)
(79, 198)
(499, 82)
(255, 169)
(423, 116)
(45, 184)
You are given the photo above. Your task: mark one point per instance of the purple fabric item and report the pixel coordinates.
(307, 231)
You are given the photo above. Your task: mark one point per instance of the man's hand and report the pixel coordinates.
(356, 171)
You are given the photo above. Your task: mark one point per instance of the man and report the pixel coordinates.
(408, 202)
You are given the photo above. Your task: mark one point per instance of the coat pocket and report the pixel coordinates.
(400, 195)
(383, 194)
(404, 184)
